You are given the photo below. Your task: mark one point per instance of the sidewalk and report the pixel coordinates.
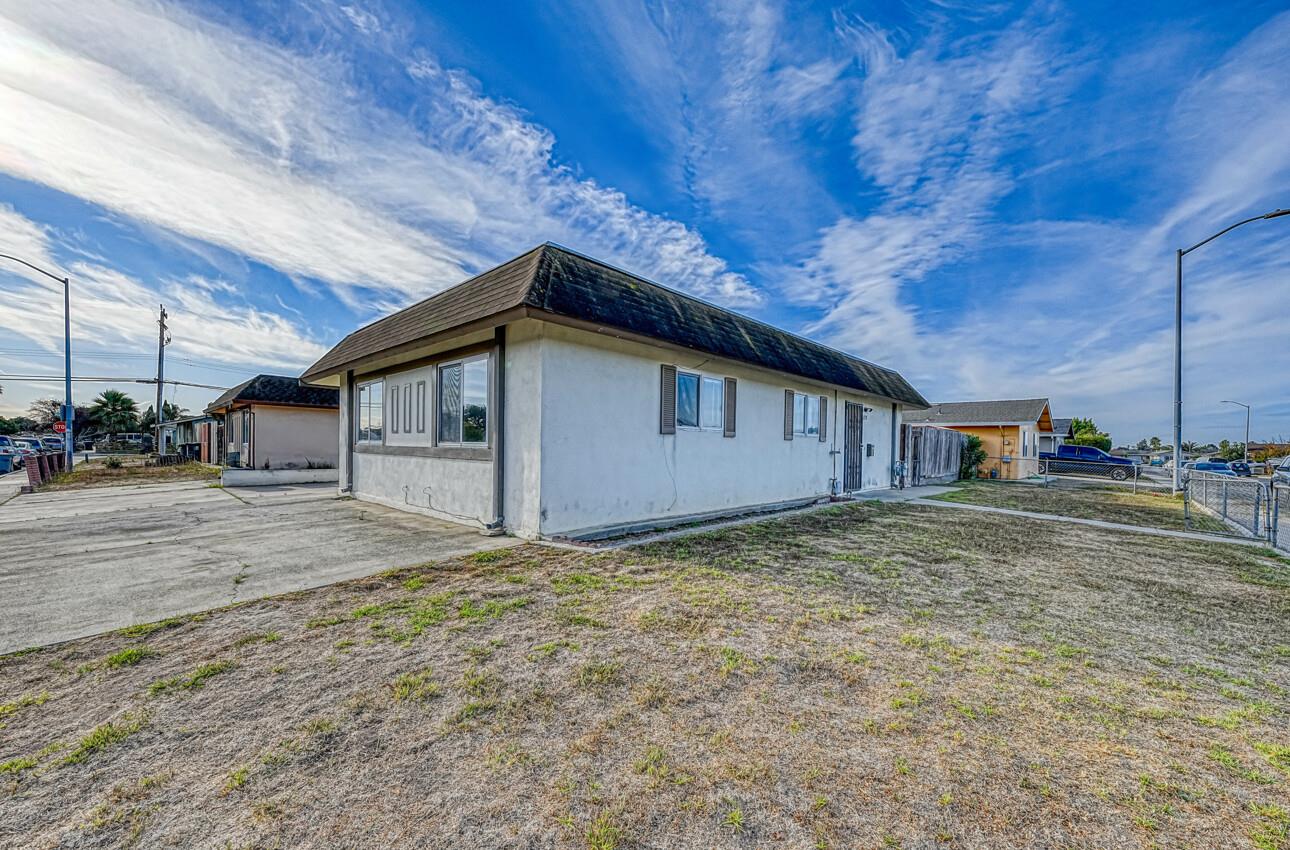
(1095, 523)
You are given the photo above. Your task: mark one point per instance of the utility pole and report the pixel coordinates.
(162, 341)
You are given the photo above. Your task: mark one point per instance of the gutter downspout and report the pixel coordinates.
(891, 473)
(498, 525)
(348, 413)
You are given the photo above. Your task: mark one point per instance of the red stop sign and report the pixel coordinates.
(60, 427)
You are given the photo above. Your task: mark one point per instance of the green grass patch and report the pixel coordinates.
(104, 736)
(130, 656)
(193, 681)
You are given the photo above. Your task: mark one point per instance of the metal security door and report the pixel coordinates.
(853, 447)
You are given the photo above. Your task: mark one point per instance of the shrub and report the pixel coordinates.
(971, 457)
(113, 462)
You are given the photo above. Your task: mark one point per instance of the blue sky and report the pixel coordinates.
(983, 196)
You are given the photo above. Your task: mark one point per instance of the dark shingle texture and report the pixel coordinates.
(979, 412)
(278, 389)
(553, 280)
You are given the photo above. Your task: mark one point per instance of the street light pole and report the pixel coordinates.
(69, 412)
(1247, 426)
(1182, 252)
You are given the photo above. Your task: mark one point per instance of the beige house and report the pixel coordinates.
(275, 422)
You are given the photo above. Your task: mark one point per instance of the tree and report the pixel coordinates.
(1155, 444)
(972, 456)
(1092, 438)
(1087, 434)
(1231, 451)
(46, 411)
(16, 425)
(1189, 446)
(115, 412)
(1143, 445)
(170, 412)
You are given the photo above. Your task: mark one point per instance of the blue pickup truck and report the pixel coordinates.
(1076, 459)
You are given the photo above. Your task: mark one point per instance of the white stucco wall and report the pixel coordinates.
(523, 478)
(292, 438)
(406, 470)
(604, 462)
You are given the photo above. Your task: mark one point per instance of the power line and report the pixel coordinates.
(105, 380)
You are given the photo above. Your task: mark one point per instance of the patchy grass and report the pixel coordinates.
(1109, 503)
(96, 473)
(897, 676)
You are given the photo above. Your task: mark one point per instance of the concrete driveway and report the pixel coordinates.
(80, 562)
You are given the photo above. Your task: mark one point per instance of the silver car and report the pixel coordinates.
(1282, 473)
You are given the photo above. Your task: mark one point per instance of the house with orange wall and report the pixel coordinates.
(1009, 430)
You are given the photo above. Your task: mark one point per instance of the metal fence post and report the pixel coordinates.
(1224, 500)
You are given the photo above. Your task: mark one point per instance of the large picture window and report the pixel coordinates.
(806, 415)
(371, 410)
(700, 401)
(463, 402)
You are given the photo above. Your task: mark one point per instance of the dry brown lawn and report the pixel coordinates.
(863, 676)
(1111, 503)
(96, 473)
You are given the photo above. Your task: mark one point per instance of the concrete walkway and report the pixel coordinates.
(1095, 523)
(80, 562)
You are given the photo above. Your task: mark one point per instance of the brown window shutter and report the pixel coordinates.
(788, 414)
(667, 407)
(729, 429)
(824, 419)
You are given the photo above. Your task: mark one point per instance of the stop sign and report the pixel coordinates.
(60, 427)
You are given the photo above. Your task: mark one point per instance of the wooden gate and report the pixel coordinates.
(853, 447)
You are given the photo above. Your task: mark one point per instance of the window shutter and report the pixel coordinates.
(729, 425)
(788, 414)
(667, 396)
(392, 415)
(824, 419)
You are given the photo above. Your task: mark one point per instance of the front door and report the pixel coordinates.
(853, 447)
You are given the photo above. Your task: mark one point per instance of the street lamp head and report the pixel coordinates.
(1277, 213)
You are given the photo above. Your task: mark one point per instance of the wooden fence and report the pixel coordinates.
(930, 454)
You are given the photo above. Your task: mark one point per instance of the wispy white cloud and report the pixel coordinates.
(277, 156)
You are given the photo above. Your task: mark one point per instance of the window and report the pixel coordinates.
(371, 409)
(463, 402)
(806, 415)
(700, 402)
(1025, 443)
(687, 400)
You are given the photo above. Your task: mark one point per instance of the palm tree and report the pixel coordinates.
(115, 412)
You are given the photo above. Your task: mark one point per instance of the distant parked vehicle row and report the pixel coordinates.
(1073, 459)
(22, 447)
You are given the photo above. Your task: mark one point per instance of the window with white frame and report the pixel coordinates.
(700, 401)
(371, 412)
(462, 407)
(806, 415)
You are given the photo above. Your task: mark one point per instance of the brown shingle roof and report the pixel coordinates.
(554, 281)
(979, 412)
(277, 389)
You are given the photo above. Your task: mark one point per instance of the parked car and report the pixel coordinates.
(1215, 467)
(1240, 467)
(7, 447)
(1090, 458)
(1282, 473)
(52, 444)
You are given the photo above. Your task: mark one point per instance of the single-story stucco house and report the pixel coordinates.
(274, 422)
(1062, 433)
(556, 395)
(1009, 430)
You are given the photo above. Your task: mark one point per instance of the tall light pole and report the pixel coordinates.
(69, 412)
(1247, 426)
(1182, 252)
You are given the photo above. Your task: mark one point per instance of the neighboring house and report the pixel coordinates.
(558, 396)
(1061, 434)
(184, 436)
(1009, 430)
(274, 422)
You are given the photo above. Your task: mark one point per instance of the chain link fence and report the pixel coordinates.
(1246, 505)
(1135, 477)
(1279, 519)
